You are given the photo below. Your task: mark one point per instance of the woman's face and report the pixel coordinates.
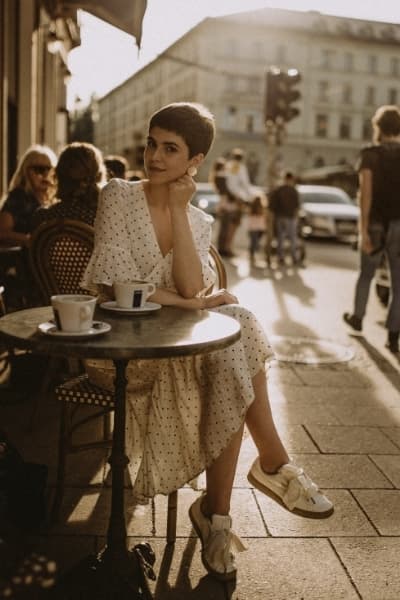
(41, 175)
(166, 156)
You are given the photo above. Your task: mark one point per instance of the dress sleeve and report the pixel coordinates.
(112, 257)
(201, 224)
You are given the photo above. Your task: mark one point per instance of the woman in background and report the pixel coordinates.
(31, 187)
(80, 174)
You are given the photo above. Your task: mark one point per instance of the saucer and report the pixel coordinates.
(142, 310)
(98, 328)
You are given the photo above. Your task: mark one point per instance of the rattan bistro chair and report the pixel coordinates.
(65, 237)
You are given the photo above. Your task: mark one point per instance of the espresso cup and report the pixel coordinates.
(133, 295)
(73, 313)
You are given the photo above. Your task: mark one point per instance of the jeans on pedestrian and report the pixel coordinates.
(254, 239)
(286, 228)
(369, 264)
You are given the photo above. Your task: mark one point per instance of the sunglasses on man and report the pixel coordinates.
(41, 169)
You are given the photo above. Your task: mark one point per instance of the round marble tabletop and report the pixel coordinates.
(167, 332)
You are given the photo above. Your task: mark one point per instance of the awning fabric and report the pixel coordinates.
(125, 14)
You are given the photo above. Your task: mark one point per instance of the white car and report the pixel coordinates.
(328, 211)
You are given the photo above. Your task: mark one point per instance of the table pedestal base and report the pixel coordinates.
(99, 578)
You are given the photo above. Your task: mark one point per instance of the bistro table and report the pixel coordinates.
(164, 333)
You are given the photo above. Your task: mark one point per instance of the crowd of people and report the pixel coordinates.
(147, 230)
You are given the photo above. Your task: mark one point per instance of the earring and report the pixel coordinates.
(192, 171)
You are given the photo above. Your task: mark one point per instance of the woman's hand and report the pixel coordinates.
(218, 299)
(180, 191)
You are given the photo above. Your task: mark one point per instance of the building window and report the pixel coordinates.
(366, 129)
(347, 93)
(254, 85)
(394, 66)
(327, 59)
(230, 83)
(230, 117)
(323, 91)
(250, 123)
(281, 55)
(345, 128)
(370, 96)
(393, 96)
(348, 61)
(321, 126)
(372, 64)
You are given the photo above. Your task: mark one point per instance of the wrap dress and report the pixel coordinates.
(181, 412)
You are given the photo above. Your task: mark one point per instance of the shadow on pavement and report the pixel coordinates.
(384, 365)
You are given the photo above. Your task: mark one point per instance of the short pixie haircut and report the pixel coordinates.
(192, 121)
(386, 120)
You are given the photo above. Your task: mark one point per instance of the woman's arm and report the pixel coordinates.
(365, 197)
(170, 298)
(7, 234)
(186, 263)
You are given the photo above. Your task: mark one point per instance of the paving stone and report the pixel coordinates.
(298, 411)
(382, 508)
(393, 433)
(351, 440)
(373, 565)
(390, 465)
(342, 471)
(288, 569)
(347, 520)
(87, 510)
(246, 522)
(324, 378)
(370, 413)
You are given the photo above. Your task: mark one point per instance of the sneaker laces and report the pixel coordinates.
(221, 544)
(299, 484)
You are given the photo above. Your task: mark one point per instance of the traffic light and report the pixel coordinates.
(281, 94)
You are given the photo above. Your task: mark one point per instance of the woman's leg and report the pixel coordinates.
(220, 476)
(261, 425)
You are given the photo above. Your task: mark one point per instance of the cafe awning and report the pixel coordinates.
(127, 15)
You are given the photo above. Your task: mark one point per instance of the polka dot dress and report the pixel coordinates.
(181, 412)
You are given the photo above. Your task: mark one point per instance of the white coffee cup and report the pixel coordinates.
(73, 313)
(133, 295)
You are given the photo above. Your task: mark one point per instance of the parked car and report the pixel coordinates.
(206, 198)
(328, 211)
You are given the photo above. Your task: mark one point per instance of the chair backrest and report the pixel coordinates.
(59, 252)
(217, 264)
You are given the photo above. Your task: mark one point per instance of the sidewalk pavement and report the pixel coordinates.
(341, 422)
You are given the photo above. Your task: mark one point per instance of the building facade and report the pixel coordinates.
(348, 67)
(34, 44)
(35, 39)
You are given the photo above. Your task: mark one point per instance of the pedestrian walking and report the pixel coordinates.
(256, 224)
(379, 227)
(240, 192)
(284, 205)
(185, 415)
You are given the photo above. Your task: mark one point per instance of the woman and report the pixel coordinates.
(31, 186)
(188, 413)
(80, 174)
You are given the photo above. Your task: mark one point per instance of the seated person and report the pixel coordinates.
(187, 414)
(117, 166)
(80, 173)
(31, 187)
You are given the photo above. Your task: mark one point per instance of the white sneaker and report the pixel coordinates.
(292, 489)
(217, 539)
